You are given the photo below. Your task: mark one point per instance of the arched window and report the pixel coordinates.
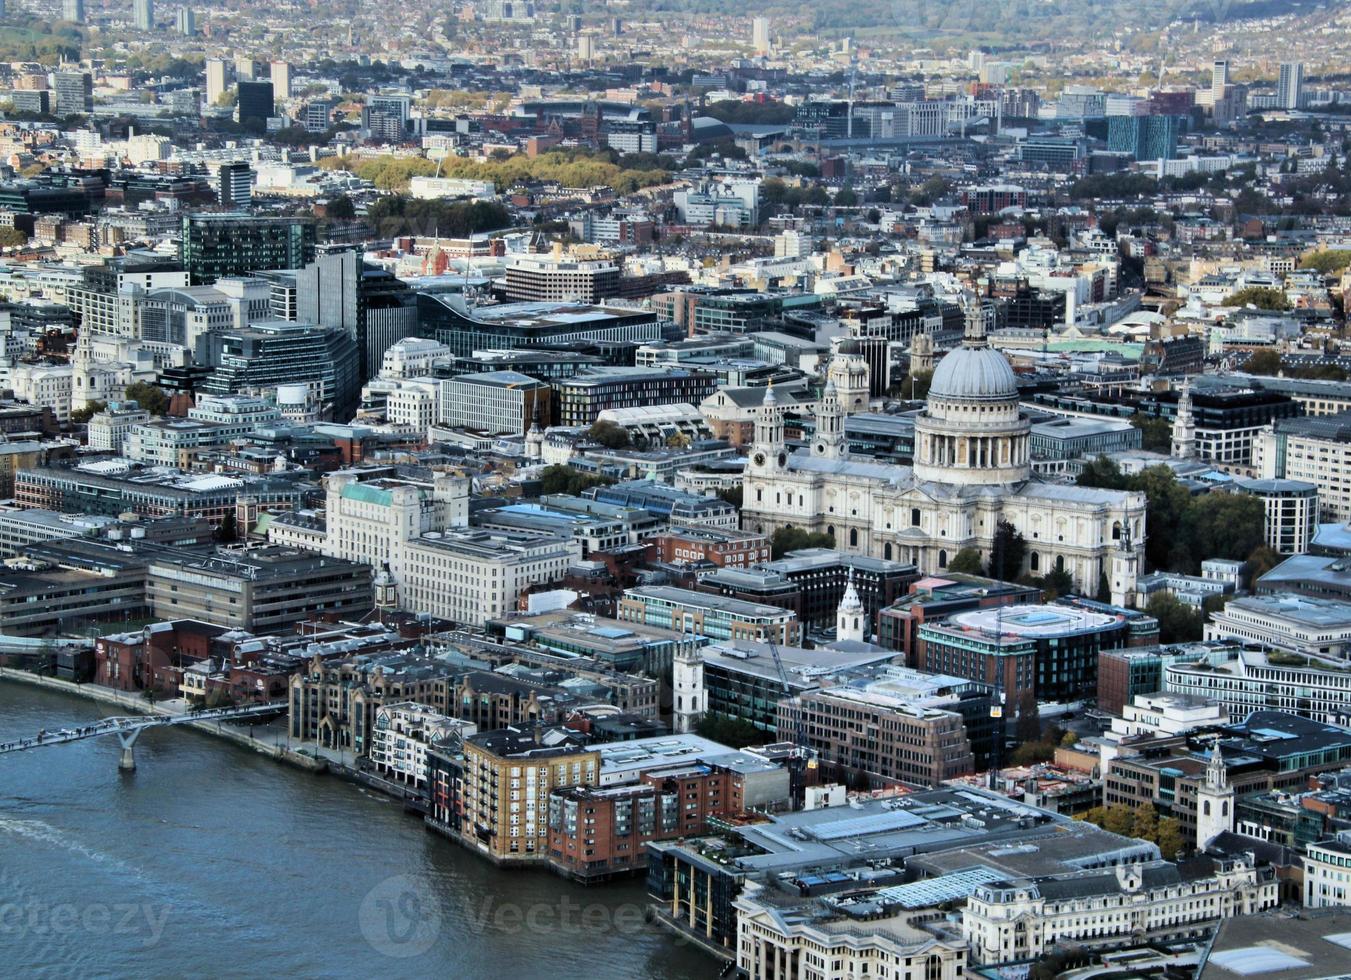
(1206, 808)
(830, 529)
(914, 517)
(1116, 531)
(886, 551)
(1059, 563)
(942, 559)
(1034, 561)
(853, 537)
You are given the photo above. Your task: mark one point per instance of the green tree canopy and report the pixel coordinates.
(1262, 297)
(791, 538)
(1178, 622)
(150, 397)
(967, 562)
(609, 435)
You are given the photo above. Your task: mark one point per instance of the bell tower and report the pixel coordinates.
(1214, 802)
(829, 442)
(851, 618)
(1184, 425)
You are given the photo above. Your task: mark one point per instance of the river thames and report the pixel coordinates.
(210, 860)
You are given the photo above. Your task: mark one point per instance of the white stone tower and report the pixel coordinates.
(1184, 425)
(849, 373)
(851, 619)
(689, 697)
(829, 442)
(767, 452)
(534, 439)
(1214, 802)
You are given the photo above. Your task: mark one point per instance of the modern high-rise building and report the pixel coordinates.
(373, 307)
(74, 91)
(1290, 88)
(256, 105)
(235, 244)
(1219, 78)
(246, 69)
(1144, 137)
(216, 80)
(234, 185)
(143, 14)
(185, 21)
(760, 34)
(281, 80)
(73, 11)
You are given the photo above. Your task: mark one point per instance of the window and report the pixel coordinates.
(942, 559)
(1034, 561)
(914, 517)
(853, 537)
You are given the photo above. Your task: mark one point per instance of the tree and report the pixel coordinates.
(1265, 362)
(1055, 583)
(846, 198)
(967, 562)
(733, 495)
(150, 397)
(227, 532)
(1261, 560)
(340, 208)
(1262, 297)
(1220, 525)
(12, 237)
(82, 415)
(1156, 434)
(1167, 504)
(1145, 822)
(1178, 622)
(1028, 728)
(791, 538)
(1030, 753)
(729, 731)
(609, 435)
(914, 387)
(566, 480)
(1069, 740)
(1102, 473)
(677, 440)
(1007, 552)
(1169, 838)
(1326, 261)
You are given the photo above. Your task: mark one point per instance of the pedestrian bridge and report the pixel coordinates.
(129, 729)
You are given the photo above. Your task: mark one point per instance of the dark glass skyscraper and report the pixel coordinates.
(216, 245)
(255, 105)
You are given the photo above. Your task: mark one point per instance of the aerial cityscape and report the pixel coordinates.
(675, 489)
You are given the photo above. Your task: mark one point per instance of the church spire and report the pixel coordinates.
(851, 617)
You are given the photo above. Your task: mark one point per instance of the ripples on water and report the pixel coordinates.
(212, 861)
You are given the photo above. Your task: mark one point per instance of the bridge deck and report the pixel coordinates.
(126, 726)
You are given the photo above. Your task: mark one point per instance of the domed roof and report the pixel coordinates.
(977, 373)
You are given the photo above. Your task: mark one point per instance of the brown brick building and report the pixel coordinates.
(721, 546)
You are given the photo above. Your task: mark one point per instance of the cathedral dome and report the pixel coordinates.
(976, 373)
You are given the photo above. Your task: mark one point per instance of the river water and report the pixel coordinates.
(211, 861)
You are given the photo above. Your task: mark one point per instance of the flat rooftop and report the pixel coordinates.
(1308, 945)
(1033, 621)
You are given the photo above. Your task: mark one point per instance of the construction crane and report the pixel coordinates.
(799, 726)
